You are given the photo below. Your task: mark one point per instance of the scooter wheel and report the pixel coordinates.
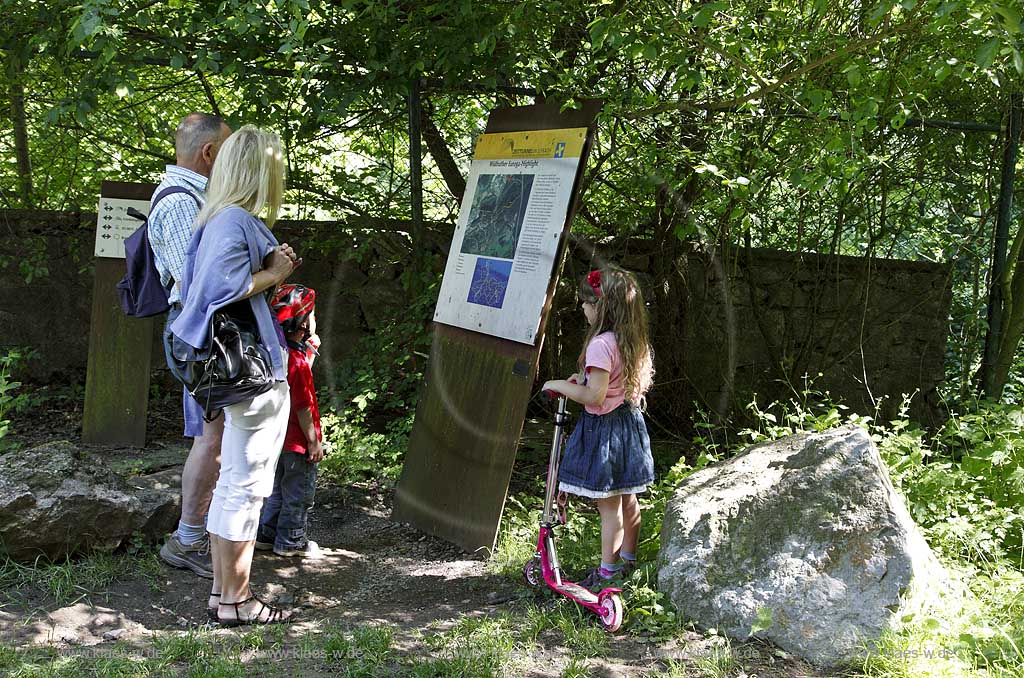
(532, 573)
(610, 612)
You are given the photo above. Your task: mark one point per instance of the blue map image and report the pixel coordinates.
(490, 280)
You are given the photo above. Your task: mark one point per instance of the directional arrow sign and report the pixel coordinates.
(114, 224)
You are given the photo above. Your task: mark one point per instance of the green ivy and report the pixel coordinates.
(9, 402)
(370, 408)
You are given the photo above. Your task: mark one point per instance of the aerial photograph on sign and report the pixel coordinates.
(496, 216)
(490, 280)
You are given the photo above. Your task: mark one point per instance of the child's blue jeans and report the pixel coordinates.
(283, 519)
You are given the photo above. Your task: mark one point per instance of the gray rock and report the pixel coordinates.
(807, 529)
(160, 496)
(113, 634)
(56, 501)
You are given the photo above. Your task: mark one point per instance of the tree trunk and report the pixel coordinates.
(1006, 302)
(21, 148)
(416, 184)
(441, 154)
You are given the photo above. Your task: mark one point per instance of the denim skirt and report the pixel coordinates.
(608, 455)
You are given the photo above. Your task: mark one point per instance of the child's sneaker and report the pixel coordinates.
(599, 578)
(309, 549)
(628, 568)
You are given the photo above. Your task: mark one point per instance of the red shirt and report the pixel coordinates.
(303, 397)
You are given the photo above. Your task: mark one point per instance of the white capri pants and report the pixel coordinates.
(253, 436)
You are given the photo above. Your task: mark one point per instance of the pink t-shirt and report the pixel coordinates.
(603, 353)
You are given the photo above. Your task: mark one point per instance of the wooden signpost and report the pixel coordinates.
(504, 263)
(120, 348)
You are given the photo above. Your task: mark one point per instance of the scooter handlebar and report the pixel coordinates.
(552, 395)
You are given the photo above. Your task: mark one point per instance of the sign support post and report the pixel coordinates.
(502, 270)
(120, 347)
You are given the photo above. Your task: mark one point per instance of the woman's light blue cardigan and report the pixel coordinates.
(219, 263)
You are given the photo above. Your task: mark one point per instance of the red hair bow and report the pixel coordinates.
(594, 280)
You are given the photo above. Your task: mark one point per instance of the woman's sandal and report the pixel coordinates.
(211, 612)
(276, 616)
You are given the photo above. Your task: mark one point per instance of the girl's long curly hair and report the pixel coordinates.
(621, 309)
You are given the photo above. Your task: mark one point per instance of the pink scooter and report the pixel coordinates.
(544, 566)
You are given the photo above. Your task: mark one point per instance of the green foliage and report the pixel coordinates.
(8, 401)
(371, 403)
(476, 646)
(798, 126)
(811, 412)
(965, 487)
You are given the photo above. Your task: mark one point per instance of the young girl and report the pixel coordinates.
(608, 456)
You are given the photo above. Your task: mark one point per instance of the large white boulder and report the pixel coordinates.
(806, 530)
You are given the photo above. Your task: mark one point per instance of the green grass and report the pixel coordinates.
(48, 662)
(718, 662)
(183, 647)
(501, 644)
(78, 578)
(977, 635)
(576, 667)
(480, 645)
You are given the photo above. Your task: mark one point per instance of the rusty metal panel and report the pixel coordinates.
(470, 414)
(468, 423)
(120, 351)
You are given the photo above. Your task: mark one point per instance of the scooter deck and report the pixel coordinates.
(577, 592)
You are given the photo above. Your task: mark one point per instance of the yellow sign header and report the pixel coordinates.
(549, 143)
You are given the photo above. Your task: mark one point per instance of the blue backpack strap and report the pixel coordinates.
(171, 190)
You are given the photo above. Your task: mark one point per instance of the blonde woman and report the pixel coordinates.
(233, 257)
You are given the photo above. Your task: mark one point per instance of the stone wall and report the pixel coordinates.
(358, 287)
(772, 324)
(725, 327)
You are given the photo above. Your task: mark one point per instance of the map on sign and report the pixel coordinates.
(508, 232)
(496, 217)
(114, 225)
(490, 280)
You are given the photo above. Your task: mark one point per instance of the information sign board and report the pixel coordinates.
(508, 232)
(114, 225)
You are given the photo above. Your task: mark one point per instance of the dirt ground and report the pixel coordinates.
(372, 570)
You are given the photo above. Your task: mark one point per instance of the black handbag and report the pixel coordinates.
(235, 367)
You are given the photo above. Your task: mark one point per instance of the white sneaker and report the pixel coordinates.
(310, 550)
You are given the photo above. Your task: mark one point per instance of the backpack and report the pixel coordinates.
(141, 293)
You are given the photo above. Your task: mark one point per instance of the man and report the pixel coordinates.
(198, 138)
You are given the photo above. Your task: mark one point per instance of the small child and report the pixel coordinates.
(608, 455)
(283, 519)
